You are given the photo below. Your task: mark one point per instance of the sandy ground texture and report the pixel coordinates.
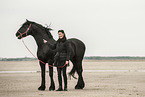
(102, 79)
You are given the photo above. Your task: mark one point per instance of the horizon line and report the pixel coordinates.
(84, 56)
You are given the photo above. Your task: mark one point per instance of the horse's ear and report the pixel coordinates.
(27, 20)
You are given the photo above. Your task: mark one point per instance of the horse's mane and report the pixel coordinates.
(47, 29)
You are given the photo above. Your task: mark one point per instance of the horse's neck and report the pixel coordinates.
(39, 35)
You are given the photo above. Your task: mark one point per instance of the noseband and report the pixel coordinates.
(24, 32)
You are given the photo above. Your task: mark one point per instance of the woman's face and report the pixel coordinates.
(60, 35)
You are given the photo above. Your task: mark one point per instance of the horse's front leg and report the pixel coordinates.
(42, 87)
(52, 84)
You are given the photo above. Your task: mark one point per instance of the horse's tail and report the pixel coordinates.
(72, 72)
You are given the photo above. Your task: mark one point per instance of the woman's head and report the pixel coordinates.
(61, 34)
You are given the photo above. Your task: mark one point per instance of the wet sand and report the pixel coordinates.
(102, 79)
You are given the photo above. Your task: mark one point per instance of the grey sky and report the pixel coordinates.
(107, 27)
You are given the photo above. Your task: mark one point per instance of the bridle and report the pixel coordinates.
(21, 34)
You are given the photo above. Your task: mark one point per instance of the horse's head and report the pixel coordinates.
(24, 30)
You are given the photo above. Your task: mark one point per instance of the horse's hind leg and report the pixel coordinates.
(79, 69)
(42, 87)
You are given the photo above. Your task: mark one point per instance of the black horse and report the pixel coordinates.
(45, 52)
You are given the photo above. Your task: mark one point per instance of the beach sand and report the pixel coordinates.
(102, 79)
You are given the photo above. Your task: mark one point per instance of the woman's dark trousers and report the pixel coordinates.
(59, 72)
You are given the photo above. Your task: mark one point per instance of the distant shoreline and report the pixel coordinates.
(18, 59)
(114, 58)
(99, 58)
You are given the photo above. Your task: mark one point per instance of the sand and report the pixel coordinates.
(102, 79)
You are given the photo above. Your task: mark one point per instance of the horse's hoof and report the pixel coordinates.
(78, 87)
(51, 88)
(42, 88)
(59, 89)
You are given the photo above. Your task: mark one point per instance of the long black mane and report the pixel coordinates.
(47, 29)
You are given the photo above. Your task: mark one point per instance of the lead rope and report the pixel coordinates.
(37, 58)
(31, 52)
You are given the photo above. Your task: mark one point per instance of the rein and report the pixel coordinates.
(31, 52)
(37, 58)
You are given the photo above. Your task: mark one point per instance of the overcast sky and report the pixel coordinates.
(107, 27)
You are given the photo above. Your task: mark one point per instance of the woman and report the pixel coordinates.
(61, 59)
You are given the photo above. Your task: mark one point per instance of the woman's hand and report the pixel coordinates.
(44, 41)
(67, 62)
